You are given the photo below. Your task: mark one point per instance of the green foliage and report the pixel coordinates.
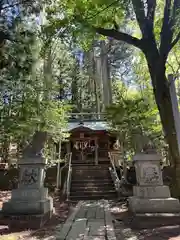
(135, 119)
(39, 71)
(30, 85)
(79, 16)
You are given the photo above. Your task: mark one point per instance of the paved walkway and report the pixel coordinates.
(91, 220)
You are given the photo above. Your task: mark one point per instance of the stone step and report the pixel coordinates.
(91, 181)
(92, 166)
(104, 164)
(80, 163)
(92, 193)
(90, 173)
(91, 178)
(91, 188)
(102, 176)
(94, 170)
(95, 176)
(94, 197)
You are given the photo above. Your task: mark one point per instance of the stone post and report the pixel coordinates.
(150, 195)
(30, 206)
(96, 152)
(175, 107)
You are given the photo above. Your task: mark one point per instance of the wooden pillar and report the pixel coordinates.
(68, 147)
(58, 177)
(96, 151)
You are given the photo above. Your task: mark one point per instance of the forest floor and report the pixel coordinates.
(125, 231)
(46, 232)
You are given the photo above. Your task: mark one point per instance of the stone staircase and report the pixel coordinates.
(91, 161)
(90, 182)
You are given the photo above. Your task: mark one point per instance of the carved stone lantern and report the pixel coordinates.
(30, 201)
(150, 195)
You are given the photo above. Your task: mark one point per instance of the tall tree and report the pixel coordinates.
(158, 24)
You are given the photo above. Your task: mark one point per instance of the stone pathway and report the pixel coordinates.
(91, 220)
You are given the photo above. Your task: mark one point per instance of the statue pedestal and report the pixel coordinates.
(29, 206)
(150, 195)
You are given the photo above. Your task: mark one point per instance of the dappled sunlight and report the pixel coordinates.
(4, 196)
(91, 221)
(124, 228)
(46, 232)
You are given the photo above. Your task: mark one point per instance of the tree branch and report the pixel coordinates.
(166, 31)
(138, 6)
(173, 22)
(120, 36)
(145, 20)
(151, 11)
(175, 41)
(175, 11)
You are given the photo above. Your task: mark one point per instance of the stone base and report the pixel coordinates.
(154, 220)
(151, 192)
(27, 207)
(29, 193)
(27, 214)
(154, 205)
(22, 222)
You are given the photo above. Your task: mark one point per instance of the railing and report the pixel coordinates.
(69, 177)
(122, 183)
(113, 172)
(67, 160)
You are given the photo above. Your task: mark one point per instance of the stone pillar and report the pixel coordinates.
(150, 195)
(175, 107)
(96, 151)
(30, 201)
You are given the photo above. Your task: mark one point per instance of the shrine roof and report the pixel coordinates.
(93, 125)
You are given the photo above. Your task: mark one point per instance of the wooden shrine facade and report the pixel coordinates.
(89, 142)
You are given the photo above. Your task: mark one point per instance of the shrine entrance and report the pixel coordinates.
(88, 146)
(89, 142)
(84, 149)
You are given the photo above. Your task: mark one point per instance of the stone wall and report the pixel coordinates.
(9, 178)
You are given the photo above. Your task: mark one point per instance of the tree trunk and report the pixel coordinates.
(5, 151)
(105, 76)
(167, 118)
(164, 103)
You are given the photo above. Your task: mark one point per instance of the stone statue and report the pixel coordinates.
(36, 146)
(149, 148)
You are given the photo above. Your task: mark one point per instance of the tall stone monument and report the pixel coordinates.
(30, 206)
(150, 195)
